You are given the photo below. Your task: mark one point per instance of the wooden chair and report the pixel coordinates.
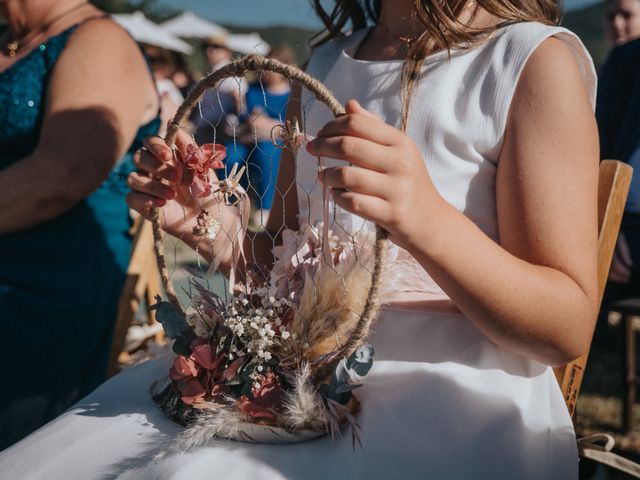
(613, 186)
(142, 282)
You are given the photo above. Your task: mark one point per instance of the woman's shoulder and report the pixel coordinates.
(100, 63)
(103, 34)
(98, 47)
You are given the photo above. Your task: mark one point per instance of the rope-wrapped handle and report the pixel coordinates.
(238, 68)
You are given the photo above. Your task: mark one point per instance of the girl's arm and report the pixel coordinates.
(90, 119)
(535, 293)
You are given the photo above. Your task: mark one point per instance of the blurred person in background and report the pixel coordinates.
(618, 115)
(183, 77)
(76, 100)
(219, 107)
(265, 107)
(164, 67)
(622, 23)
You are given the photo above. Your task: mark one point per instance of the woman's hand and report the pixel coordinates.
(388, 182)
(162, 182)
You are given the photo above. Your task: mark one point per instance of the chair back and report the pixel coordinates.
(142, 282)
(613, 186)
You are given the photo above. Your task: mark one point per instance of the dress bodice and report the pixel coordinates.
(457, 119)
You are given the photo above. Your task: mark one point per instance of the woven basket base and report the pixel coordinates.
(168, 399)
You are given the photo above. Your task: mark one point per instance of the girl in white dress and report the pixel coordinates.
(490, 199)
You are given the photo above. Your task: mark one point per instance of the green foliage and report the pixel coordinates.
(175, 326)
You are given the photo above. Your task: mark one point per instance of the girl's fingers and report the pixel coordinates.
(151, 187)
(357, 125)
(370, 208)
(353, 106)
(358, 151)
(143, 203)
(148, 163)
(355, 179)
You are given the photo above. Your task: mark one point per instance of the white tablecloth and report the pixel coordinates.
(440, 402)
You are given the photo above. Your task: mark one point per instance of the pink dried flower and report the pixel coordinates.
(256, 410)
(269, 392)
(199, 162)
(184, 374)
(197, 377)
(191, 390)
(183, 368)
(205, 355)
(267, 398)
(232, 369)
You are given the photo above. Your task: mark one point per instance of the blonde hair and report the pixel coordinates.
(442, 27)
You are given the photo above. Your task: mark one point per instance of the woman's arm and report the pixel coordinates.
(99, 94)
(535, 293)
(284, 210)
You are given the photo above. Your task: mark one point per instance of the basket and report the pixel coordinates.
(314, 390)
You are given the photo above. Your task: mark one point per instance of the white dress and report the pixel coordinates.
(442, 401)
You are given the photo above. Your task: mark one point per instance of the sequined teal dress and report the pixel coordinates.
(59, 281)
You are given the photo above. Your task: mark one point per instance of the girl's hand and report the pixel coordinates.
(388, 182)
(161, 182)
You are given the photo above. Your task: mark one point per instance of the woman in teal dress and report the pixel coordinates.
(76, 100)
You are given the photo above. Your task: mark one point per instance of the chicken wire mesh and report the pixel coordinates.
(274, 308)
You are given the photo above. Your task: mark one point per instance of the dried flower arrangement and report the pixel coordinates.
(277, 360)
(255, 358)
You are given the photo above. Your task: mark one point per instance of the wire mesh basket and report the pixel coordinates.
(269, 351)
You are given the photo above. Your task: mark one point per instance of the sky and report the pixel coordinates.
(261, 13)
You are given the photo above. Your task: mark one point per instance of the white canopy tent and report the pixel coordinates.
(190, 25)
(145, 31)
(247, 43)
